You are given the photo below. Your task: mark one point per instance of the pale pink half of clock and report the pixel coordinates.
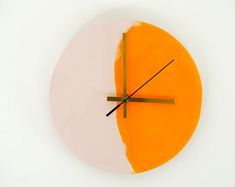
(82, 80)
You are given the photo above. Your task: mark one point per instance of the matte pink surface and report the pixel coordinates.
(83, 78)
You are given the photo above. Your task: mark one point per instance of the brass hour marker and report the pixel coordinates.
(145, 100)
(124, 74)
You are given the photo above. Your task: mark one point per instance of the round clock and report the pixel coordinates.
(125, 95)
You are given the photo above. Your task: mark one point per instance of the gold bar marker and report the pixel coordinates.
(144, 100)
(124, 74)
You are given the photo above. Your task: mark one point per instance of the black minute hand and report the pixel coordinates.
(116, 107)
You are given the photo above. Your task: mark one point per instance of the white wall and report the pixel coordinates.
(32, 36)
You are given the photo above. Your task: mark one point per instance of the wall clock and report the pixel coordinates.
(125, 95)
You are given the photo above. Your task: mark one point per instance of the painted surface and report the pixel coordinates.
(153, 133)
(82, 79)
(90, 69)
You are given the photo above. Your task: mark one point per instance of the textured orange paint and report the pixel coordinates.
(153, 133)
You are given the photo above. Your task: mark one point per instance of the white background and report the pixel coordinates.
(32, 36)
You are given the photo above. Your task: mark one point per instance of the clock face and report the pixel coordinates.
(125, 95)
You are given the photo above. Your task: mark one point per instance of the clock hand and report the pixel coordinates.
(150, 79)
(126, 99)
(115, 108)
(144, 100)
(124, 73)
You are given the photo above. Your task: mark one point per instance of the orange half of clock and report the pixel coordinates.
(155, 132)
